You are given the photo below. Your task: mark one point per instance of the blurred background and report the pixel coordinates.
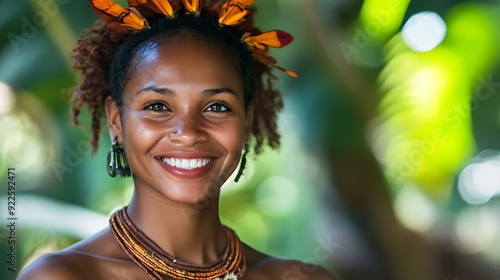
(390, 159)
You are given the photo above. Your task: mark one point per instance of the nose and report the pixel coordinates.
(187, 130)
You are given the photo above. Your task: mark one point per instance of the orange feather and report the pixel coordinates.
(233, 12)
(262, 57)
(162, 7)
(135, 3)
(111, 12)
(274, 38)
(192, 6)
(243, 2)
(165, 7)
(287, 71)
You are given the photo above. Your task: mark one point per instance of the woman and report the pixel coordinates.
(184, 87)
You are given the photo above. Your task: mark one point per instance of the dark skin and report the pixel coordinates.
(185, 101)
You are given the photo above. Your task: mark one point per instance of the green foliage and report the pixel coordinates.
(428, 97)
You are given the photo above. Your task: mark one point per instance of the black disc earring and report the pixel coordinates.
(117, 160)
(243, 163)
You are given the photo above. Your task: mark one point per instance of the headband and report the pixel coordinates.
(231, 13)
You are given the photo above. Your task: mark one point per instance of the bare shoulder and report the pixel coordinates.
(52, 266)
(262, 266)
(92, 258)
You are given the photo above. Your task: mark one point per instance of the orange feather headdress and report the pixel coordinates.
(232, 13)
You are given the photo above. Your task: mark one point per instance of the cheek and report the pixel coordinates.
(230, 135)
(140, 135)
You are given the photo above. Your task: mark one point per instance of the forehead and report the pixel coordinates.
(184, 60)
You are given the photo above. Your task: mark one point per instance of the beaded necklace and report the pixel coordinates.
(160, 265)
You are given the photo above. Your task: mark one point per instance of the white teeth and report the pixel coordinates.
(186, 163)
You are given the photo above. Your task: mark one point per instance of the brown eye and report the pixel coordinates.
(156, 107)
(217, 108)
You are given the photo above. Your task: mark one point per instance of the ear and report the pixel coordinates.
(248, 123)
(114, 120)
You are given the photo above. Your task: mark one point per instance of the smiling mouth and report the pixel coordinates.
(187, 164)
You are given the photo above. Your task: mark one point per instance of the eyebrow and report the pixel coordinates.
(207, 92)
(161, 90)
(214, 91)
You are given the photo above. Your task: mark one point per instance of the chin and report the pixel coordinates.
(199, 194)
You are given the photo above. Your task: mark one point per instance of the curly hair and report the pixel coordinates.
(107, 61)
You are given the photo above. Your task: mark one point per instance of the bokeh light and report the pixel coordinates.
(7, 98)
(424, 31)
(480, 181)
(27, 145)
(475, 230)
(414, 210)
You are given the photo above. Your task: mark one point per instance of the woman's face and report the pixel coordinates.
(183, 121)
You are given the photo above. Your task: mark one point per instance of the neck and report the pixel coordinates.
(190, 233)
